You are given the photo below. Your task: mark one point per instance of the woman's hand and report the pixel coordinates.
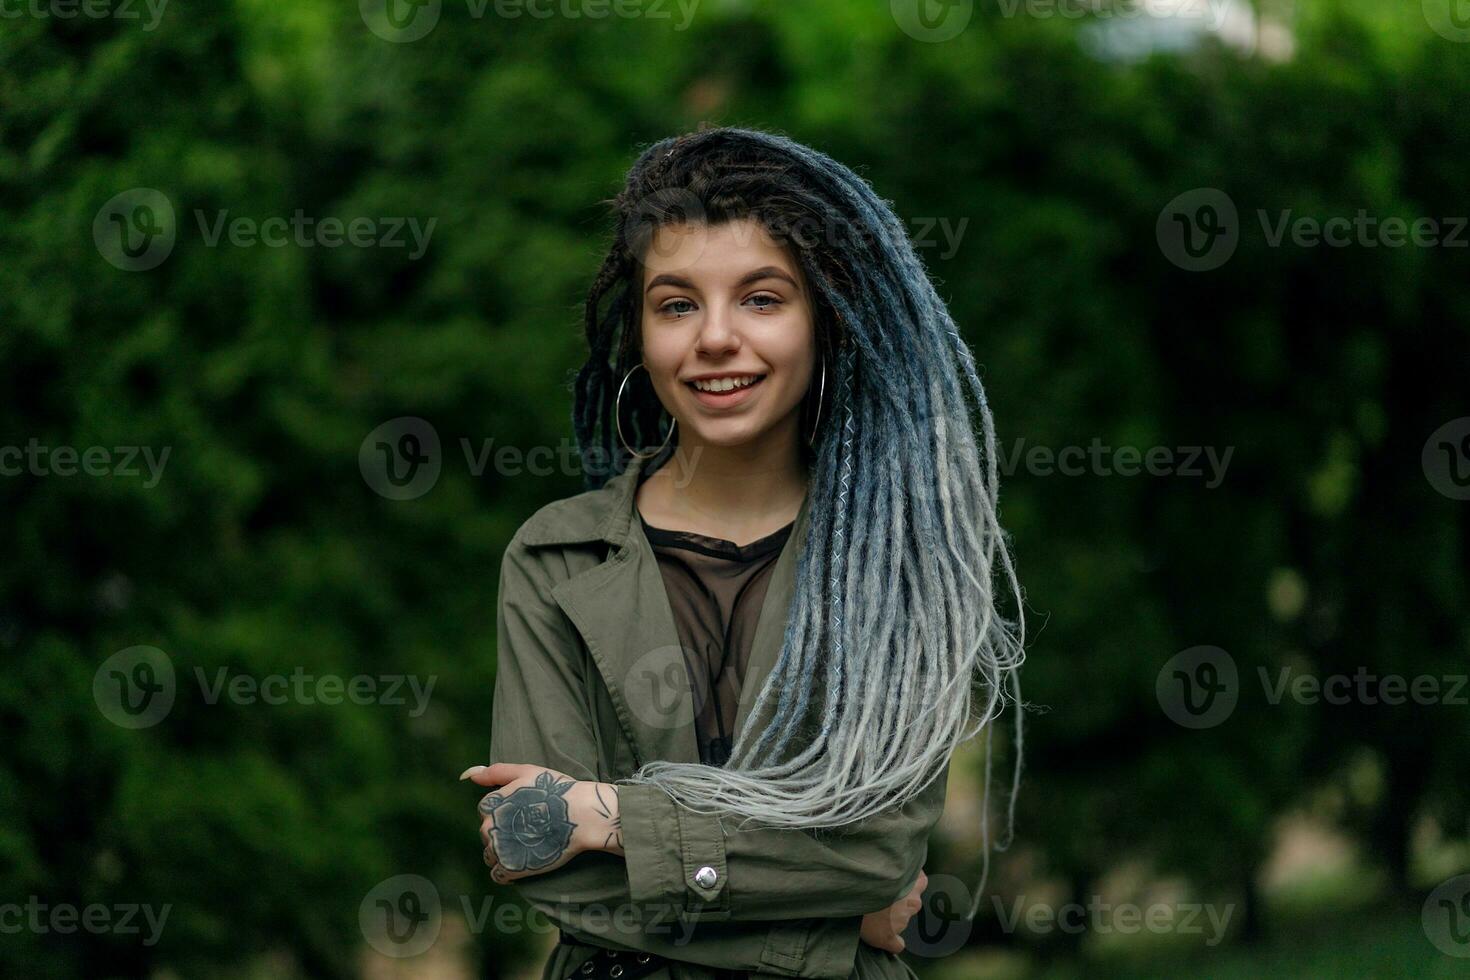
(884, 929)
(539, 819)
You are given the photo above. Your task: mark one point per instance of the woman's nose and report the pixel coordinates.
(717, 335)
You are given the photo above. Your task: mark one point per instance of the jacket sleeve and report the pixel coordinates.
(541, 717)
(771, 873)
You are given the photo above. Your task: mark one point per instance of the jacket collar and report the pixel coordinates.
(597, 515)
(621, 609)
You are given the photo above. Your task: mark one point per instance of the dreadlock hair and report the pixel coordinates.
(895, 650)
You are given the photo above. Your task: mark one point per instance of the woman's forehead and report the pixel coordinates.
(723, 254)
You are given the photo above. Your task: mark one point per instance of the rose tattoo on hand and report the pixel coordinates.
(539, 819)
(532, 828)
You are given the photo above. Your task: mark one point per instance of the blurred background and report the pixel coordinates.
(1211, 255)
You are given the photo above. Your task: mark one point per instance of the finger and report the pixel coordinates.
(491, 858)
(489, 802)
(496, 775)
(505, 876)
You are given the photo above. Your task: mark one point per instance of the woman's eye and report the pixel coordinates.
(682, 307)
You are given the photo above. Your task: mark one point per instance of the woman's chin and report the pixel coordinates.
(730, 434)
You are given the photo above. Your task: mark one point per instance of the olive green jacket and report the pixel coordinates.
(591, 681)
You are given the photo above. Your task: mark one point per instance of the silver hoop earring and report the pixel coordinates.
(618, 419)
(821, 391)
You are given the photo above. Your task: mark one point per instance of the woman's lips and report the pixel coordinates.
(725, 399)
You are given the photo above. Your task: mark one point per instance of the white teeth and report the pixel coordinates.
(727, 384)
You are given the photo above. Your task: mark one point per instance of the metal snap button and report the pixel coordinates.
(706, 877)
(588, 967)
(616, 971)
(642, 958)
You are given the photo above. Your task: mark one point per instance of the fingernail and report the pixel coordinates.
(470, 771)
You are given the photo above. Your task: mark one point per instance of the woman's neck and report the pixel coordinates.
(739, 493)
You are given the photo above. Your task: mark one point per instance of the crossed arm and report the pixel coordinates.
(687, 885)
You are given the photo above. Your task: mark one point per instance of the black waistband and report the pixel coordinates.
(612, 964)
(630, 964)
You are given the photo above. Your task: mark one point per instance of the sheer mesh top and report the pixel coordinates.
(716, 589)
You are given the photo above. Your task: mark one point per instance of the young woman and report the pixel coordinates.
(732, 673)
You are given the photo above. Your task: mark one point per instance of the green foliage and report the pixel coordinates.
(263, 551)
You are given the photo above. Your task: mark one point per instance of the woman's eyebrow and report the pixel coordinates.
(755, 275)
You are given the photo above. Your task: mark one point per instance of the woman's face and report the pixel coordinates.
(727, 331)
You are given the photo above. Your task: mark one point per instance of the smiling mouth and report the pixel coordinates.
(726, 386)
